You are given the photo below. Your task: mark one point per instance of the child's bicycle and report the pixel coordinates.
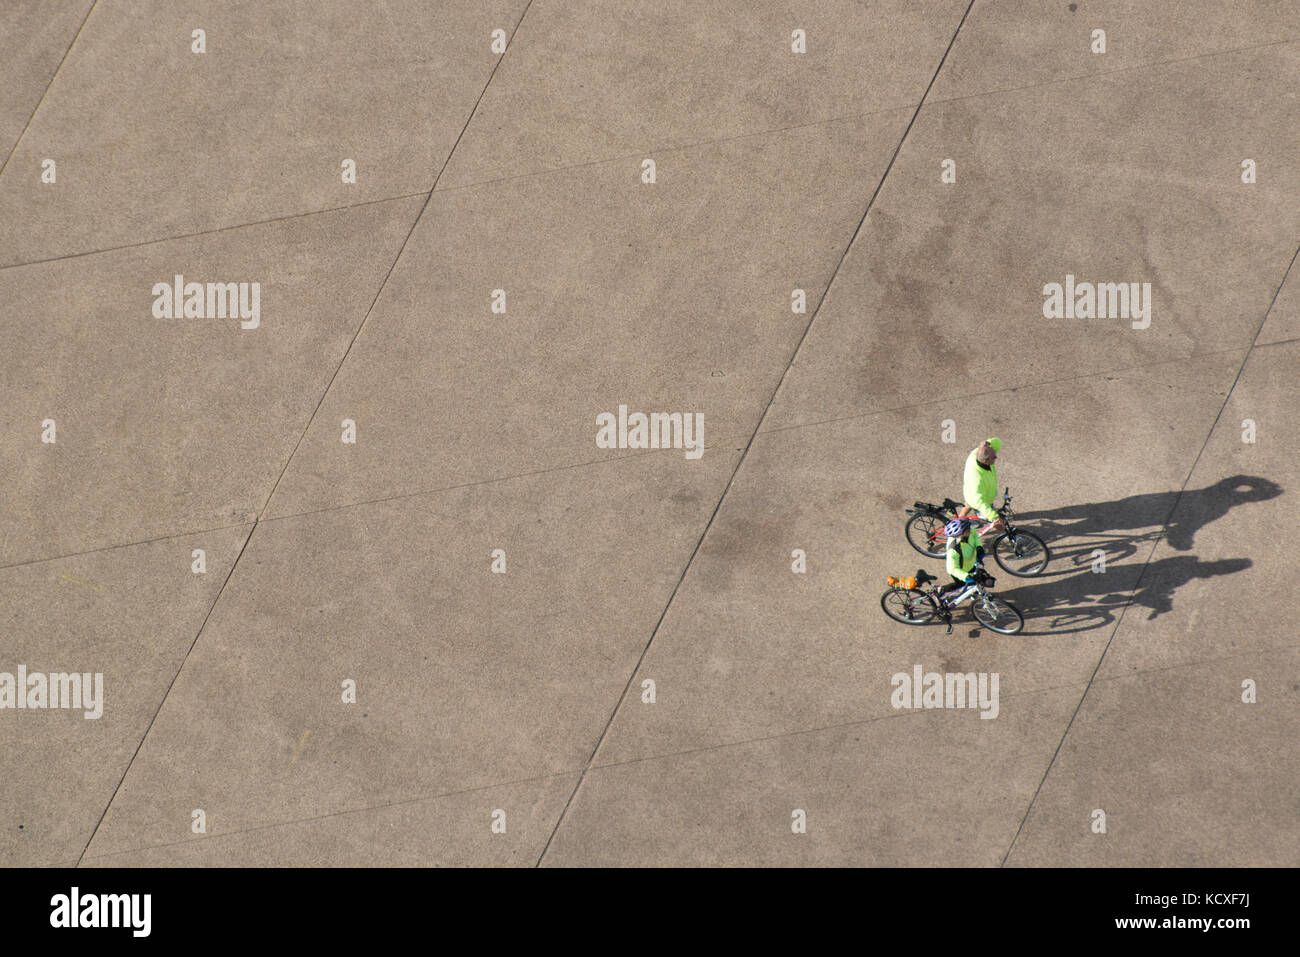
(1020, 553)
(913, 605)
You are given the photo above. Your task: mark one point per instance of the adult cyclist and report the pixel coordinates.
(979, 485)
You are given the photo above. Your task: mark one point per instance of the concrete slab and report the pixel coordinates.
(164, 425)
(154, 141)
(672, 297)
(1133, 178)
(129, 614)
(34, 36)
(464, 678)
(1218, 583)
(919, 788)
(1187, 774)
(476, 430)
(750, 648)
(587, 81)
(448, 831)
(1005, 44)
(1283, 322)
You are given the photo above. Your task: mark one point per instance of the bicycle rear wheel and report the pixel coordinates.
(997, 615)
(911, 606)
(925, 533)
(1022, 554)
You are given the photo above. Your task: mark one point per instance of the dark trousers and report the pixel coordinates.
(954, 589)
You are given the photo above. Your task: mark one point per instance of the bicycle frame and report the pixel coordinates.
(968, 592)
(948, 605)
(974, 592)
(1004, 515)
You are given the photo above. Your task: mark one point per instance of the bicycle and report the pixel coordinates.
(911, 605)
(1020, 553)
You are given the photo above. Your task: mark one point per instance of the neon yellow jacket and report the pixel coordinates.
(980, 487)
(961, 555)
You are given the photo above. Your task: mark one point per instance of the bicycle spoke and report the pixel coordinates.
(924, 533)
(1021, 553)
(911, 607)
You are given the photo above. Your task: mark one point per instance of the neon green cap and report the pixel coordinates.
(996, 444)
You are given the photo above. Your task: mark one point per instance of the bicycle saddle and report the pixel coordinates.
(950, 504)
(922, 577)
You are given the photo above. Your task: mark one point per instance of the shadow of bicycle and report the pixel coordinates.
(1090, 579)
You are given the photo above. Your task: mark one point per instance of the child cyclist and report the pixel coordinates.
(965, 555)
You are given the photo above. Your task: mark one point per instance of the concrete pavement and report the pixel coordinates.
(364, 588)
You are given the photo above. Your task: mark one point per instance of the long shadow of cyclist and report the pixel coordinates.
(1196, 509)
(1083, 587)
(1085, 600)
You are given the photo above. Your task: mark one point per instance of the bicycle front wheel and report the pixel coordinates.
(925, 533)
(911, 606)
(1022, 554)
(998, 615)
